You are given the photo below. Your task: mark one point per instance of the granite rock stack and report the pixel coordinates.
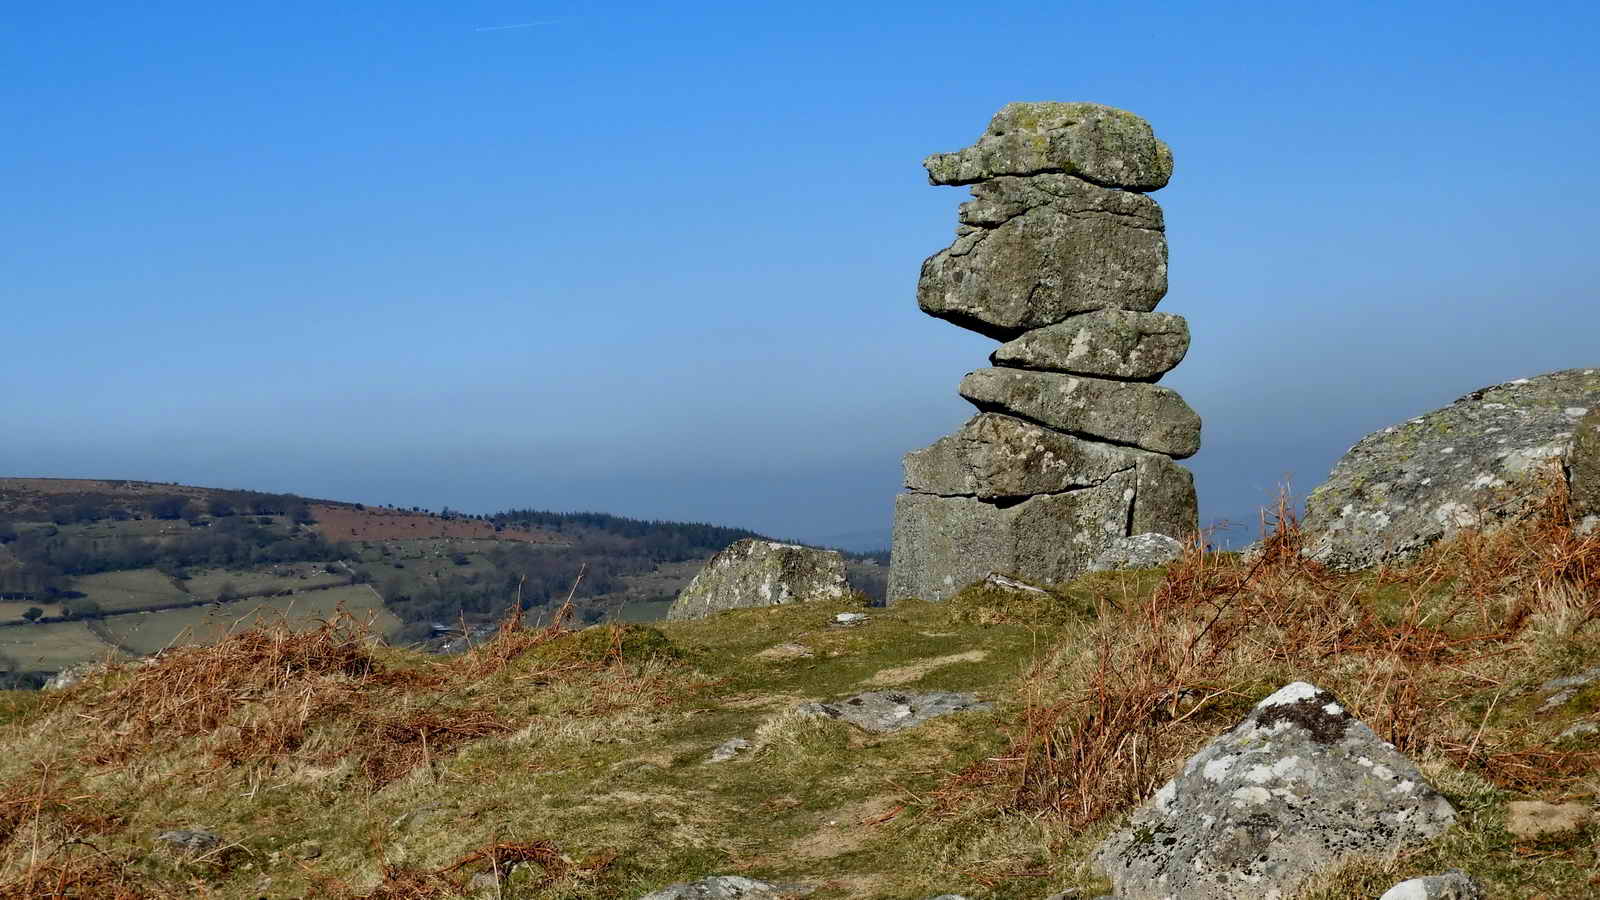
(1062, 255)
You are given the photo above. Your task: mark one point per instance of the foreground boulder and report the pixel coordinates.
(1472, 464)
(1297, 787)
(1452, 885)
(754, 572)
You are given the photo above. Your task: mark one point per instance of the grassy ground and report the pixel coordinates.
(130, 589)
(206, 584)
(333, 767)
(52, 647)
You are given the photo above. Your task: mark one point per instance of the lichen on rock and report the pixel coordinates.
(1297, 787)
(755, 572)
(1473, 464)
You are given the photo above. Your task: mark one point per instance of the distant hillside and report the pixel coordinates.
(96, 566)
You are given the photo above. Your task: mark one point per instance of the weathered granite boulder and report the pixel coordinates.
(1297, 787)
(1108, 343)
(960, 523)
(1583, 472)
(1101, 143)
(996, 456)
(1471, 464)
(1135, 414)
(1138, 551)
(881, 712)
(761, 573)
(942, 544)
(1031, 252)
(1452, 885)
(727, 887)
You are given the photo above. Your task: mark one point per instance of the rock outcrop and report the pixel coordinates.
(1472, 464)
(1062, 255)
(754, 572)
(881, 712)
(1297, 787)
(727, 887)
(1583, 473)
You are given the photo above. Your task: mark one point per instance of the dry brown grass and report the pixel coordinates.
(1112, 714)
(503, 861)
(271, 700)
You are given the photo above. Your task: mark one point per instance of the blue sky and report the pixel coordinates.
(660, 259)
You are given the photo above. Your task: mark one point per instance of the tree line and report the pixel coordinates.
(44, 559)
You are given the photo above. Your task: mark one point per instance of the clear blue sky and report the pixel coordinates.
(659, 259)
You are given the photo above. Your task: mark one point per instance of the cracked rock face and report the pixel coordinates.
(1059, 254)
(1472, 464)
(1032, 251)
(995, 456)
(1131, 413)
(761, 573)
(1110, 343)
(1297, 787)
(1101, 143)
(942, 544)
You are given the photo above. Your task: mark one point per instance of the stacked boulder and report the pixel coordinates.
(1062, 255)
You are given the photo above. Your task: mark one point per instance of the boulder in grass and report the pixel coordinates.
(754, 572)
(881, 712)
(727, 887)
(1452, 885)
(1296, 788)
(1478, 462)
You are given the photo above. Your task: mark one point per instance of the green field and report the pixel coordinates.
(9, 611)
(152, 632)
(205, 585)
(130, 589)
(52, 647)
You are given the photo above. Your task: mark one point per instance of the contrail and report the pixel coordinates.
(518, 25)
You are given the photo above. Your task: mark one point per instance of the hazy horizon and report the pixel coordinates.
(660, 261)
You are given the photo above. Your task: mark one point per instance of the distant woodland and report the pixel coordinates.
(47, 541)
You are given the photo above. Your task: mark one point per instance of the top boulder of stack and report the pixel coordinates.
(1101, 144)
